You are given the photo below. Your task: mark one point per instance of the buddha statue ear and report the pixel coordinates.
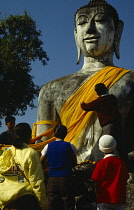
(118, 34)
(78, 47)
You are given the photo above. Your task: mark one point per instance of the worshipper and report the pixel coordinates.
(106, 107)
(61, 158)
(110, 175)
(21, 176)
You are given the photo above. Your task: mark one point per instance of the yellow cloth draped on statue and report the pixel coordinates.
(39, 146)
(72, 115)
(48, 122)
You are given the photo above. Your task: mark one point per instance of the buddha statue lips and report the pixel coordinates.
(91, 39)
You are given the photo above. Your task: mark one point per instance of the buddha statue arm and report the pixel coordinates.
(46, 109)
(52, 97)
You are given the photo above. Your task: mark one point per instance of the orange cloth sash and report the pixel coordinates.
(71, 113)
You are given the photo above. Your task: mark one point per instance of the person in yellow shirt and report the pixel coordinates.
(21, 176)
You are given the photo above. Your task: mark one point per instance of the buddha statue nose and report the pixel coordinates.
(90, 27)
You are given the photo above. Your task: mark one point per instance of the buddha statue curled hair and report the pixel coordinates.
(99, 4)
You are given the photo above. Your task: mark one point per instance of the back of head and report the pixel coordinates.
(100, 89)
(22, 134)
(60, 131)
(9, 119)
(107, 144)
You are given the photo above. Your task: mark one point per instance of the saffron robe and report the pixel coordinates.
(72, 116)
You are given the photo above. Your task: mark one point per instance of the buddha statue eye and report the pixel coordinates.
(101, 18)
(82, 20)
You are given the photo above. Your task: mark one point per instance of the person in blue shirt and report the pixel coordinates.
(61, 158)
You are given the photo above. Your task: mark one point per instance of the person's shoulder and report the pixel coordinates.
(29, 149)
(55, 142)
(100, 161)
(46, 146)
(3, 136)
(100, 164)
(68, 143)
(32, 153)
(44, 150)
(71, 144)
(4, 132)
(74, 148)
(112, 159)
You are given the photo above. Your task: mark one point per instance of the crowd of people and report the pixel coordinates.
(21, 166)
(21, 170)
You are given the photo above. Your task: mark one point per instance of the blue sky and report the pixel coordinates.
(56, 21)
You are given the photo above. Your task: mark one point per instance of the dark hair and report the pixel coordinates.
(60, 131)
(100, 89)
(22, 134)
(111, 11)
(9, 119)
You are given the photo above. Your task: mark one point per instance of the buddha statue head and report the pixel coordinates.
(97, 30)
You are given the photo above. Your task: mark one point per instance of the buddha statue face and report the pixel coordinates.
(96, 32)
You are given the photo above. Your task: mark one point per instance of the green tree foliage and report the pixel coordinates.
(19, 47)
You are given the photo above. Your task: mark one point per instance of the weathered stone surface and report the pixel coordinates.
(130, 197)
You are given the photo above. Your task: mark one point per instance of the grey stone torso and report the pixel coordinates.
(54, 94)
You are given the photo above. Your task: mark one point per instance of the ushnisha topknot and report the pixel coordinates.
(99, 4)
